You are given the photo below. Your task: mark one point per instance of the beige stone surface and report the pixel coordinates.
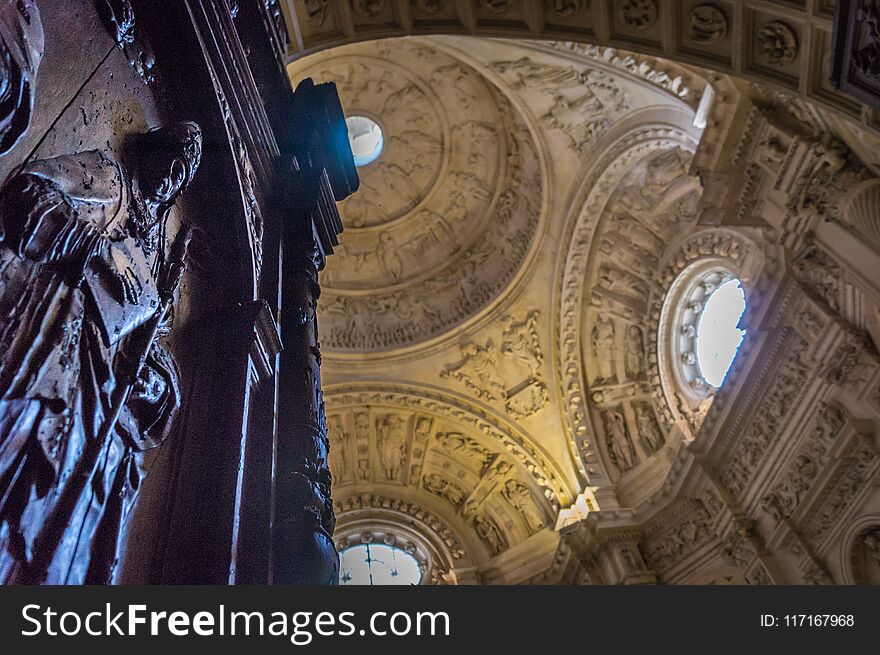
(508, 372)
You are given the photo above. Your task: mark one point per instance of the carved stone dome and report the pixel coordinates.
(446, 214)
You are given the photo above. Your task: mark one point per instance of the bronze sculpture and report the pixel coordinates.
(21, 50)
(85, 387)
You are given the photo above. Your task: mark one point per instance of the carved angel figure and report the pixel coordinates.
(479, 370)
(521, 343)
(21, 50)
(85, 387)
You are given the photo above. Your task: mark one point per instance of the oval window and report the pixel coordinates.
(718, 336)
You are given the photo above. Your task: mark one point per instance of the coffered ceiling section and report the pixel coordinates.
(786, 43)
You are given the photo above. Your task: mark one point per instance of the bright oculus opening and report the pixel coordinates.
(366, 139)
(378, 564)
(718, 334)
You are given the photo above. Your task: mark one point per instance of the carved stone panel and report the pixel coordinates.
(445, 216)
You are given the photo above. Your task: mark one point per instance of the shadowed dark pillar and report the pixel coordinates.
(320, 173)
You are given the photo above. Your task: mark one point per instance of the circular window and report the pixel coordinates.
(718, 337)
(366, 139)
(378, 564)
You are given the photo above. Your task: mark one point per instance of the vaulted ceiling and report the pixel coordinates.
(488, 316)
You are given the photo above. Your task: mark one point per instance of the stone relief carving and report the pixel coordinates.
(477, 422)
(317, 11)
(777, 44)
(448, 455)
(465, 448)
(391, 441)
(859, 465)
(443, 488)
(618, 443)
(634, 357)
(814, 573)
(670, 402)
(708, 25)
(775, 405)
(521, 498)
(612, 174)
(498, 472)
(368, 8)
(583, 102)
(521, 342)
(604, 348)
(865, 556)
(498, 6)
(478, 370)
(488, 531)
(508, 374)
(88, 275)
(430, 6)
(567, 8)
(21, 51)
(785, 497)
(655, 197)
(823, 184)
(867, 57)
(433, 236)
(649, 432)
(637, 14)
(362, 435)
(737, 547)
(340, 465)
(672, 544)
(662, 73)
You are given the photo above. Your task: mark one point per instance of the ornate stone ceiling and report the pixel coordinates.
(445, 216)
(490, 302)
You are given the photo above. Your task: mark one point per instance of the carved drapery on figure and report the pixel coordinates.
(85, 387)
(21, 50)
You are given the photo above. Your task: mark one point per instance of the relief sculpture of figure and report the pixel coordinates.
(620, 451)
(86, 288)
(21, 50)
(603, 349)
(338, 439)
(650, 435)
(634, 352)
(521, 498)
(392, 445)
(489, 533)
